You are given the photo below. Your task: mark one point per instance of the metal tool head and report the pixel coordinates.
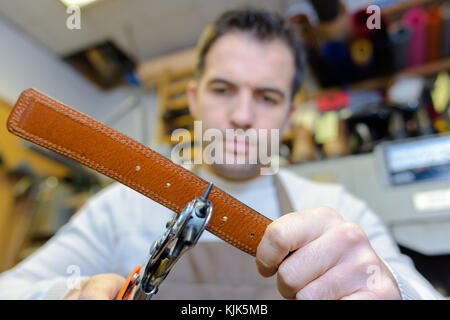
(181, 234)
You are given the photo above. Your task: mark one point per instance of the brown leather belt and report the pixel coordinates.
(53, 125)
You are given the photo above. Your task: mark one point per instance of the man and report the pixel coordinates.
(330, 245)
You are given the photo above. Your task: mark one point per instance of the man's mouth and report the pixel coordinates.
(237, 147)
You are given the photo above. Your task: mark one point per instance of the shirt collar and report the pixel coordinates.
(236, 187)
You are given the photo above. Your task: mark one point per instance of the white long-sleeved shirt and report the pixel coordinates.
(113, 232)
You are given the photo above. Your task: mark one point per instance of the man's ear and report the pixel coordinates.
(289, 119)
(192, 91)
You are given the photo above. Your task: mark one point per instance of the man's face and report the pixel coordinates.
(246, 84)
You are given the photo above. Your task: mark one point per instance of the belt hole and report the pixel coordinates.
(138, 168)
(168, 185)
(224, 218)
(252, 235)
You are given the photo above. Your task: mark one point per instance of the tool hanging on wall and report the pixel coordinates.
(309, 37)
(18, 222)
(326, 10)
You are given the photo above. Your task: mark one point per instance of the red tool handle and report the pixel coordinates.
(125, 286)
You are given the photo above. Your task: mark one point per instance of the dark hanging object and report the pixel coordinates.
(105, 64)
(326, 10)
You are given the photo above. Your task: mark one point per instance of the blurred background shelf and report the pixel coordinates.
(426, 70)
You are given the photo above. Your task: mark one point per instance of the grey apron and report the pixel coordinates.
(219, 271)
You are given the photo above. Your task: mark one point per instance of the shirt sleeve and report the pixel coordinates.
(412, 284)
(80, 249)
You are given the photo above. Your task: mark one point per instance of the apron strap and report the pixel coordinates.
(284, 201)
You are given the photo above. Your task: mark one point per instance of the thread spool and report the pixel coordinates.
(361, 52)
(338, 59)
(359, 27)
(340, 146)
(446, 30)
(304, 148)
(400, 38)
(383, 56)
(397, 126)
(434, 33)
(415, 20)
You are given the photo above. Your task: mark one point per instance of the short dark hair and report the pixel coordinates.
(262, 24)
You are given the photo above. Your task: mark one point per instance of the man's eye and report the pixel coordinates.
(220, 90)
(269, 100)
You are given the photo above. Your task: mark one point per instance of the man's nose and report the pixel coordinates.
(242, 115)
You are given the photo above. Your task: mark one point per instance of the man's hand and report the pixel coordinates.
(98, 287)
(317, 255)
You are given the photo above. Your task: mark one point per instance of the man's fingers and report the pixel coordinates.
(317, 257)
(336, 283)
(290, 232)
(102, 287)
(74, 294)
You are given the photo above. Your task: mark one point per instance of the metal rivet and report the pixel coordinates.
(138, 168)
(168, 185)
(252, 235)
(224, 218)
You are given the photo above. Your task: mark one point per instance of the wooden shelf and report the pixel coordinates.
(177, 103)
(396, 10)
(425, 70)
(172, 96)
(178, 87)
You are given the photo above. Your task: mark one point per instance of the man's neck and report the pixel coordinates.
(212, 170)
(258, 192)
(233, 186)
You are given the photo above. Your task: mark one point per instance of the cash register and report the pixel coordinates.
(405, 182)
